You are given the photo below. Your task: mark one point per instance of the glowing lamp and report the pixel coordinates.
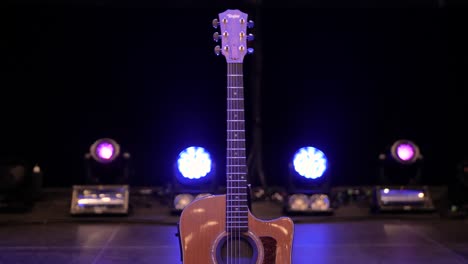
(405, 151)
(194, 177)
(105, 150)
(310, 162)
(194, 163)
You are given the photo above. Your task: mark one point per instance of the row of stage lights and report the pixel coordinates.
(308, 189)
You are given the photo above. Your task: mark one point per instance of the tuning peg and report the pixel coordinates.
(217, 50)
(216, 36)
(250, 50)
(250, 37)
(215, 23)
(250, 24)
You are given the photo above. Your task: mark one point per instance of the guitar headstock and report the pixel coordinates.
(233, 25)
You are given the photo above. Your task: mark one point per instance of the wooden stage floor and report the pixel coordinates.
(49, 235)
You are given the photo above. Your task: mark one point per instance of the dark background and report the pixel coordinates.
(348, 80)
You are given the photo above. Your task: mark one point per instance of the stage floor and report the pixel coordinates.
(377, 241)
(48, 234)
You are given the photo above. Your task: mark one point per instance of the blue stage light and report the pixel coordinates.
(310, 162)
(194, 163)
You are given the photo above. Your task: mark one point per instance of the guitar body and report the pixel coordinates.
(203, 236)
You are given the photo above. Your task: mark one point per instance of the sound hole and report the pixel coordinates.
(237, 250)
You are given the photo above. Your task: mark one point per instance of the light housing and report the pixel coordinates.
(399, 186)
(458, 190)
(106, 164)
(399, 199)
(401, 164)
(20, 185)
(308, 189)
(106, 187)
(100, 200)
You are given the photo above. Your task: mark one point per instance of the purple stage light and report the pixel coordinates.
(405, 151)
(105, 150)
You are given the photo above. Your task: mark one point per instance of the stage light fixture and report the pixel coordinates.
(458, 190)
(310, 162)
(20, 185)
(400, 185)
(105, 164)
(106, 187)
(194, 177)
(182, 200)
(405, 151)
(309, 183)
(104, 150)
(194, 163)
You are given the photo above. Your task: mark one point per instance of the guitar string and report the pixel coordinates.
(238, 168)
(239, 162)
(229, 175)
(237, 250)
(236, 125)
(231, 257)
(232, 147)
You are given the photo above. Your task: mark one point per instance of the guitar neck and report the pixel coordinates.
(236, 178)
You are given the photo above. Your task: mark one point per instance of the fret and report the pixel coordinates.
(237, 200)
(235, 135)
(235, 116)
(241, 227)
(238, 181)
(237, 203)
(235, 164)
(235, 169)
(234, 74)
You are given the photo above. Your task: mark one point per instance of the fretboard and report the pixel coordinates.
(236, 171)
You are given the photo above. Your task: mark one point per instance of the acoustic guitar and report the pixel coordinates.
(220, 229)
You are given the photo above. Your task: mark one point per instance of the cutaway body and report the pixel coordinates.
(203, 229)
